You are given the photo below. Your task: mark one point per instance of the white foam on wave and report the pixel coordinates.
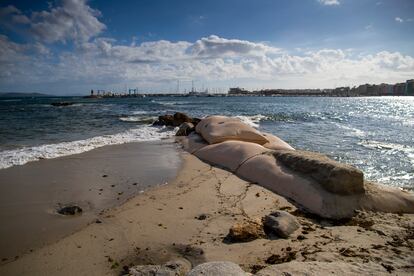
(139, 112)
(352, 130)
(253, 120)
(390, 148)
(11, 100)
(142, 119)
(22, 156)
(171, 103)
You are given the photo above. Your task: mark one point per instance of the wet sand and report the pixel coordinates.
(94, 180)
(165, 222)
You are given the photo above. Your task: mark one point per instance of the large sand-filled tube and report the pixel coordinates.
(387, 199)
(305, 192)
(275, 143)
(314, 196)
(192, 143)
(216, 129)
(335, 177)
(230, 154)
(314, 182)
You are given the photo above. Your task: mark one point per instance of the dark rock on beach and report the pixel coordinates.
(61, 103)
(164, 120)
(70, 210)
(185, 129)
(175, 120)
(180, 118)
(281, 223)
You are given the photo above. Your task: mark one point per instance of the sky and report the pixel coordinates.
(66, 47)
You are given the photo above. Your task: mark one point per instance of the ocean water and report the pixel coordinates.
(375, 134)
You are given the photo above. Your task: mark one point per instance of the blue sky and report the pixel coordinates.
(72, 46)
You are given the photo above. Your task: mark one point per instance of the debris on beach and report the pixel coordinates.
(246, 231)
(70, 210)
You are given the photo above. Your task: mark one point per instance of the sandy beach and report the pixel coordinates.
(94, 180)
(190, 218)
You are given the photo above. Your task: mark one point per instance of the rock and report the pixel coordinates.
(322, 268)
(185, 129)
(61, 103)
(173, 120)
(195, 121)
(180, 118)
(164, 120)
(281, 223)
(173, 268)
(246, 231)
(70, 210)
(218, 268)
(333, 176)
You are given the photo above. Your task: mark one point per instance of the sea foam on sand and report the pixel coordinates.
(21, 156)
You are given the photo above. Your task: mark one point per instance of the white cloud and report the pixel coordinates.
(71, 20)
(399, 20)
(104, 63)
(329, 2)
(213, 46)
(9, 10)
(368, 27)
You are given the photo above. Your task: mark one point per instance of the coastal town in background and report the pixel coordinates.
(383, 89)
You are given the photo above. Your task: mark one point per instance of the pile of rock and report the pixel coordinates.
(277, 224)
(313, 181)
(185, 123)
(175, 120)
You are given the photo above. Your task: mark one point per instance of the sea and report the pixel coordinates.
(375, 134)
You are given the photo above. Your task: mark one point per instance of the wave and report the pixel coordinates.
(253, 120)
(138, 119)
(390, 148)
(352, 130)
(173, 103)
(22, 156)
(10, 100)
(294, 117)
(139, 112)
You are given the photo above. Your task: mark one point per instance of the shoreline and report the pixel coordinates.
(190, 218)
(239, 196)
(95, 180)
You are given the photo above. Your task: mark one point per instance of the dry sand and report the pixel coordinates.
(164, 222)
